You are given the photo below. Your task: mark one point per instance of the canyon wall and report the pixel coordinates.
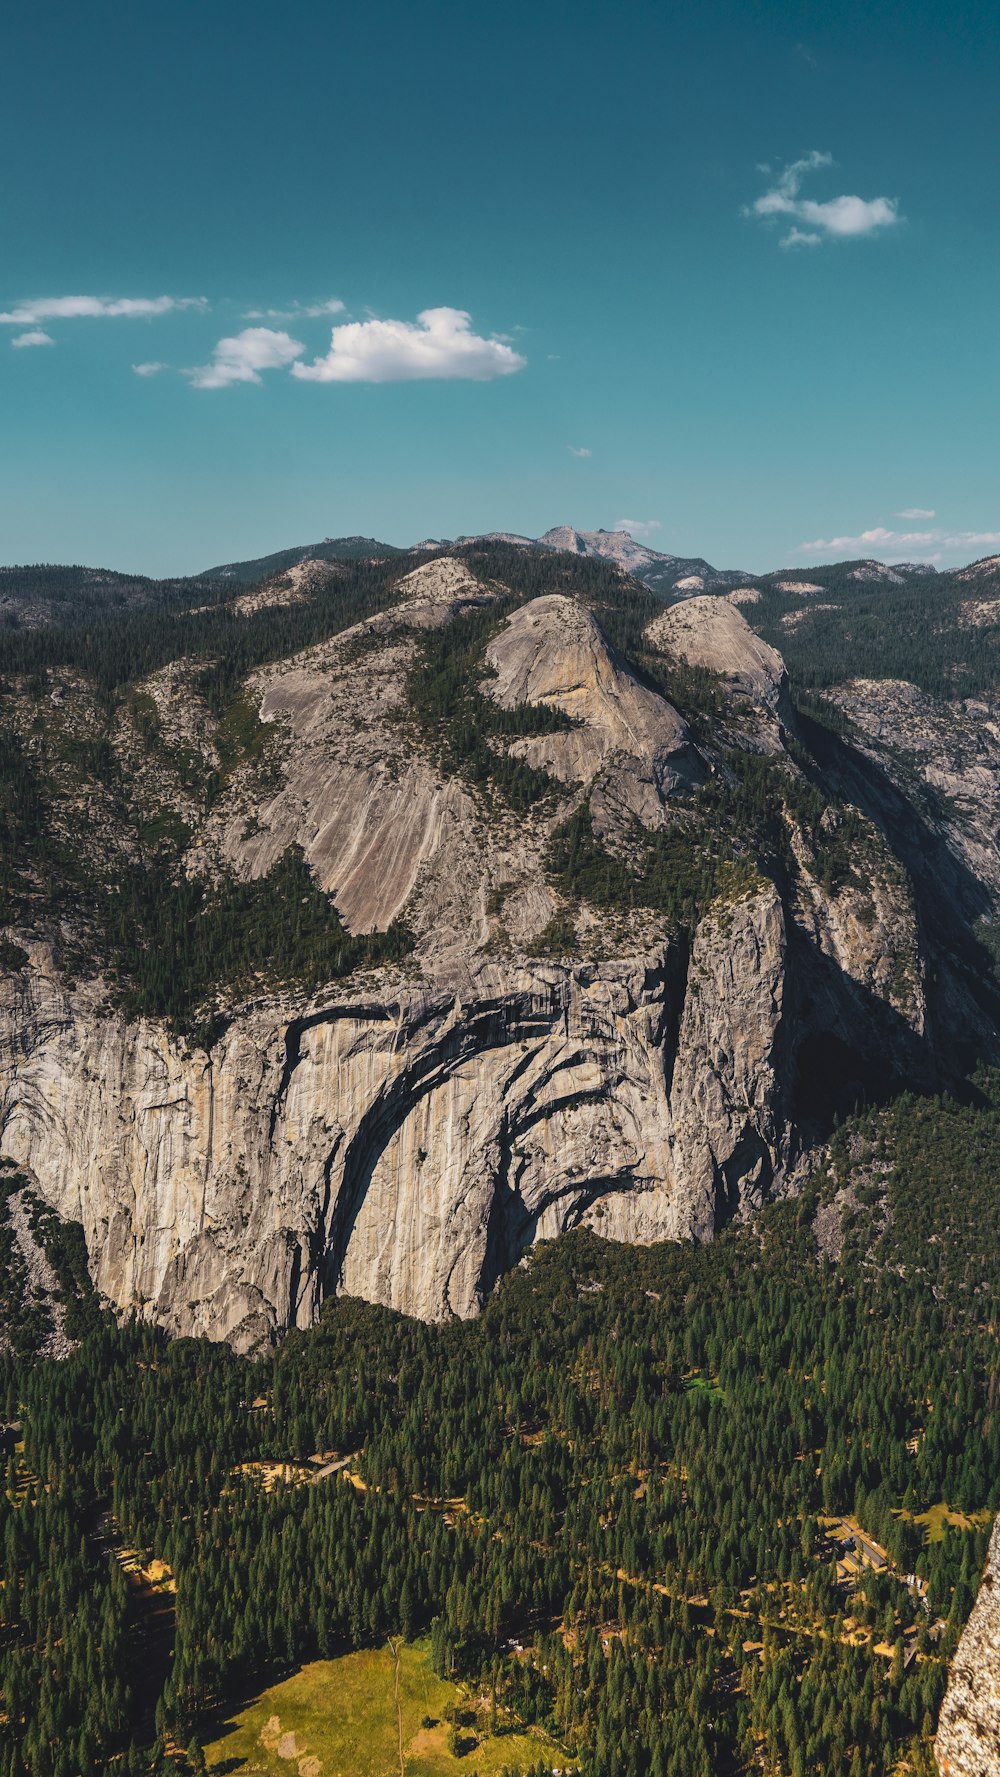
(407, 1142)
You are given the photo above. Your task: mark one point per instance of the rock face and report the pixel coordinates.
(713, 633)
(948, 752)
(538, 1060)
(385, 830)
(405, 1146)
(968, 1736)
(551, 653)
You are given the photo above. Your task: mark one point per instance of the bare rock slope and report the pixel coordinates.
(551, 652)
(713, 633)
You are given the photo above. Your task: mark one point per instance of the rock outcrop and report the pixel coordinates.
(713, 633)
(968, 1736)
(403, 1143)
(551, 653)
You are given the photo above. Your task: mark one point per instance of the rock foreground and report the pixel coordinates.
(968, 1736)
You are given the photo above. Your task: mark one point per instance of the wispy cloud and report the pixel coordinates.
(810, 221)
(440, 344)
(579, 450)
(298, 311)
(241, 358)
(896, 544)
(638, 527)
(916, 512)
(151, 367)
(71, 308)
(35, 338)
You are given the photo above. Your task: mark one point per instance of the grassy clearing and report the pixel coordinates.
(697, 1383)
(937, 1517)
(337, 1718)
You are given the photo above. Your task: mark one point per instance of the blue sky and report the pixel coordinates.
(628, 233)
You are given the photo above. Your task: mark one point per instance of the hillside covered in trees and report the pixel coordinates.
(613, 1502)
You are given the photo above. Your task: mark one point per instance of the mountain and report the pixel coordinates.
(332, 549)
(42, 596)
(469, 899)
(987, 568)
(669, 575)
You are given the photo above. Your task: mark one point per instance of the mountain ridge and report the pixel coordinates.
(46, 595)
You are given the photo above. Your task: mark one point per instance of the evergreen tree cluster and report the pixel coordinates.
(607, 1502)
(873, 629)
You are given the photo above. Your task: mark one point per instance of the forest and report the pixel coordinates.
(851, 628)
(609, 1501)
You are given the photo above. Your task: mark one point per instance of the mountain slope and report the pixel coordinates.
(669, 575)
(469, 900)
(43, 596)
(264, 567)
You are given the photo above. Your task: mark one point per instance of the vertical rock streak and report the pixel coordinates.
(405, 1148)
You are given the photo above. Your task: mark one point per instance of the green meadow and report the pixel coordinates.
(380, 1713)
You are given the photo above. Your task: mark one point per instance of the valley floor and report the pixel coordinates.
(380, 1713)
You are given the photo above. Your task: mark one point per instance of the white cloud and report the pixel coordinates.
(897, 544)
(440, 344)
(916, 512)
(638, 527)
(71, 308)
(837, 216)
(152, 367)
(35, 338)
(298, 311)
(579, 450)
(242, 358)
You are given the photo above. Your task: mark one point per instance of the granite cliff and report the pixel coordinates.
(968, 1735)
(551, 1048)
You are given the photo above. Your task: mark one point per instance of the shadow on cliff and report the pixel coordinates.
(950, 899)
(851, 1048)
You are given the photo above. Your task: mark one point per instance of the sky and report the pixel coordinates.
(724, 275)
